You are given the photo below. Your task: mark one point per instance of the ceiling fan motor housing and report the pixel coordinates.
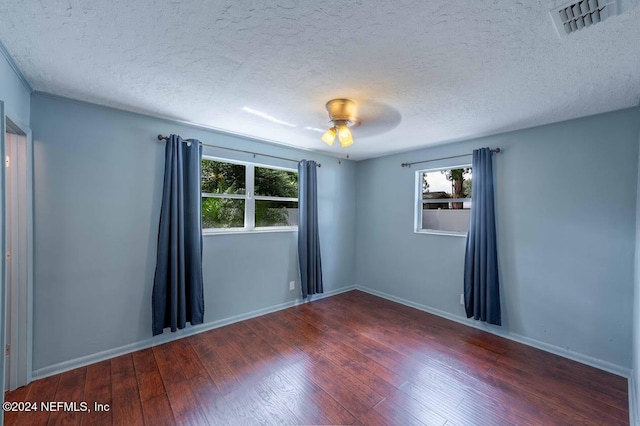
(343, 111)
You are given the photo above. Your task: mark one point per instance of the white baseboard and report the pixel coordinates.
(634, 420)
(566, 353)
(168, 337)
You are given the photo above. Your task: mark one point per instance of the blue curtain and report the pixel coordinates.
(481, 286)
(308, 240)
(177, 287)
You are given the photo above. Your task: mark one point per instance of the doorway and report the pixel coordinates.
(18, 256)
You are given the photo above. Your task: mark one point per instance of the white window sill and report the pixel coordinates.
(230, 231)
(447, 233)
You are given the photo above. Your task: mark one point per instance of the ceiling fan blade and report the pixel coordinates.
(376, 118)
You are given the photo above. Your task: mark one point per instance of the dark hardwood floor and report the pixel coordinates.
(348, 359)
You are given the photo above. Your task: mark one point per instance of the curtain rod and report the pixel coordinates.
(166, 138)
(496, 150)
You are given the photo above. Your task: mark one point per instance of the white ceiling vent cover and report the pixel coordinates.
(582, 14)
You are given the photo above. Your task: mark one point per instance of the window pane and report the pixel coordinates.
(222, 213)
(442, 185)
(222, 178)
(276, 183)
(276, 213)
(454, 183)
(446, 217)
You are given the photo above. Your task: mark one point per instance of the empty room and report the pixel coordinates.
(336, 213)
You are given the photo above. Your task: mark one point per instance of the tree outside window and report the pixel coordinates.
(231, 190)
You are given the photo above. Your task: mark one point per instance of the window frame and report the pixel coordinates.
(419, 202)
(249, 199)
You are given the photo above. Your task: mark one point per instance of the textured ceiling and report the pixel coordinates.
(422, 72)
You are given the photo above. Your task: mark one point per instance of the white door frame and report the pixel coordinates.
(3, 286)
(21, 262)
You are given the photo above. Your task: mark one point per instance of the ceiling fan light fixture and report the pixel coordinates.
(345, 136)
(342, 113)
(329, 136)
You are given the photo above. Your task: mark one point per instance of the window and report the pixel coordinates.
(443, 200)
(246, 196)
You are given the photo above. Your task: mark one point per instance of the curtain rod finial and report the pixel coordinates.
(161, 138)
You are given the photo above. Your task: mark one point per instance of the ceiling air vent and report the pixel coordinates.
(581, 14)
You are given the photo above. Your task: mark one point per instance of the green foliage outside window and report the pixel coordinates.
(226, 178)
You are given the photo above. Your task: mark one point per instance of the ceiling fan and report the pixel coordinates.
(346, 115)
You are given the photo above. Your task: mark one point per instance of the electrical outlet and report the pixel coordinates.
(292, 285)
(462, 298)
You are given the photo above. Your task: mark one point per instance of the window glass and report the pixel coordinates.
(247, 196)
(276, 183)
(444, 200)
(223, 178)
(222, 212)
(276, 213)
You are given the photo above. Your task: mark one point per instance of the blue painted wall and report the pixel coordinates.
(98, 184)
(566, 214)
(634, 381)
(15, 95)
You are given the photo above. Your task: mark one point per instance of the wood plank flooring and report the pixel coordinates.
(348, 359)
